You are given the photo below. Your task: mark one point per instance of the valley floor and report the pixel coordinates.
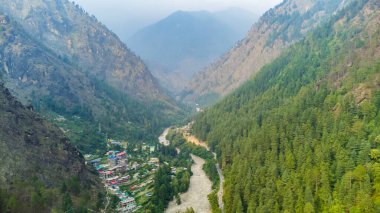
(196, 196)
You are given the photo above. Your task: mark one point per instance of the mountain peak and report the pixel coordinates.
(183, 43)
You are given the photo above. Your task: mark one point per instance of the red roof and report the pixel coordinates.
(113, 182)
(121, 154)
(109, 172)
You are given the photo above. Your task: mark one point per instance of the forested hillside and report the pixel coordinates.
(304, 134)
(40, 170)
(58, 87)
(275, 31)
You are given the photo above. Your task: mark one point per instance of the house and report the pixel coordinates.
(108, 174)
(114, 142)
(124, 179)
(3, 20)
(112, 161)
(60, 118)
(136, 176)
(174, 170)
(145, 147)
(152, 149)
(135, 166)
(154, 161)
(127, 205)
(121, 155)
(102, 174)
(95, 163)
(127, 201)
(112, 180)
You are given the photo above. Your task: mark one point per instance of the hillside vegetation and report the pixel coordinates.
(40, 169)
(276, 30)
(304, 134)
(57, 86)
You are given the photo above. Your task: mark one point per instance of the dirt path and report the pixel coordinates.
(196, 196)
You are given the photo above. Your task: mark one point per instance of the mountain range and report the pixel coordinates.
(183, 43)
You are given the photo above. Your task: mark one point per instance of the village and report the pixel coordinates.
(129, 175)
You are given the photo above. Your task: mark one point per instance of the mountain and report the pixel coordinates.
(71, 33)
(40, 170)
(180, 45)
(239, 20)
(276, 29)
(57, 87)
(303, 135)
(65, 63)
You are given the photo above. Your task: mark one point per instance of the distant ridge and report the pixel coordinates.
(181, 44)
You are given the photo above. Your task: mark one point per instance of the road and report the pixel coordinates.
(199, 189)
(220, 192)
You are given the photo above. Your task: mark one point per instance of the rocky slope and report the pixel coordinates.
(38, 76)
(75, 36)
(276, 30)
(180, 45)
(36, 161)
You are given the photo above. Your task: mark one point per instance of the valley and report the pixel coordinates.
(287, 119)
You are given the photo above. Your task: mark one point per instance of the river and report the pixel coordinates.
(162, 139)
(199, 189)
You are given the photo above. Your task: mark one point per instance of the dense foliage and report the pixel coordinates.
(33, 196)
(303, 135)
(124, 118)
(163, 190)
(213, 200)
(177, 140)
(40, 170)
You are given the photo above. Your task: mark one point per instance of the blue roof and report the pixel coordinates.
(96, 160)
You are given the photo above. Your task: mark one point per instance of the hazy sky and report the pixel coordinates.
(125, 17)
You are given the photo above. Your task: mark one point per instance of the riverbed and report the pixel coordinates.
(196, 196)
(162, 139)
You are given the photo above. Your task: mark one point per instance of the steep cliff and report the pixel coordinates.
(70, 32)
